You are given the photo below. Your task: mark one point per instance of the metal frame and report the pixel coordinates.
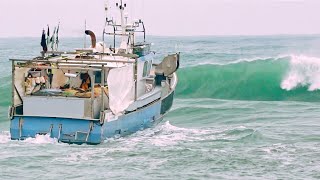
(75, 64)
(123, 30)
(12, 83)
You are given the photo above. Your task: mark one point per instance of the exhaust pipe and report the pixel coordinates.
(93, 38)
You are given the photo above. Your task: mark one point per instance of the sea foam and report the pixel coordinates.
(304, 71)
(41, 139)
(4, 137)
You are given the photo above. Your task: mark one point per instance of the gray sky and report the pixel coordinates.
(165, 17)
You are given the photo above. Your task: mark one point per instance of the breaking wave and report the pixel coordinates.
(286, 78)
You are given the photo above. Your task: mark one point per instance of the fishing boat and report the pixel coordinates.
(110, 89)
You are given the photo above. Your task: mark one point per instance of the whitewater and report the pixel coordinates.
(245, 107)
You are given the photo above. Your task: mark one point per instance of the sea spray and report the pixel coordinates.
(304, 71)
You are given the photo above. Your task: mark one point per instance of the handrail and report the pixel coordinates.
(75, 61)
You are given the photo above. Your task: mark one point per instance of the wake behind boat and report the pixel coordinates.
(91, 94)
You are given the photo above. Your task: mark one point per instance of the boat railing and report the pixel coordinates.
(75, 61)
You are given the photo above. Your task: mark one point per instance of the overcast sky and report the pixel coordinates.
(165, 17)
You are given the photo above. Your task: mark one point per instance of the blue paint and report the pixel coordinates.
(124, 125)
(39, 125)
(133, 122)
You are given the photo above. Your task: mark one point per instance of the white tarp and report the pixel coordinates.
(121, 88)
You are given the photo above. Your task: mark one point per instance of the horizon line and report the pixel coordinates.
(200, 35)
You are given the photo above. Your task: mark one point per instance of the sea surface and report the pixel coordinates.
(246, 107)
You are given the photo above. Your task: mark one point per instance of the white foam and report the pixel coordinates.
(304, 71)
(41, 139)
(161, 136)
(170, 135)
(4, 137)
(241, 128)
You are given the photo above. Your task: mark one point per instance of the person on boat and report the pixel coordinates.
(50, 77)
(86, 81)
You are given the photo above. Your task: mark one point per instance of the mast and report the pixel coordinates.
(122, 6)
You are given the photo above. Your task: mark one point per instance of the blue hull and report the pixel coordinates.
(79, 131)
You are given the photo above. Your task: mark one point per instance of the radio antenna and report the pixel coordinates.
(85, 37)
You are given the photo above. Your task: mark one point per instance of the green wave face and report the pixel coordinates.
(258, 80)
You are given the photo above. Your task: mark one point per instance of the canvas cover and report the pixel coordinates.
(121, 88)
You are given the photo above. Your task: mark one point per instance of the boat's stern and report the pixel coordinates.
(73, 131)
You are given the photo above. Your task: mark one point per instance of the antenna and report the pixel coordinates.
(85, 37)
(57, 36)
(121, 7)
(106, 8)
(143, 9)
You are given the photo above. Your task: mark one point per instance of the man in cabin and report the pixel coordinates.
(50, 77)
(86, 81)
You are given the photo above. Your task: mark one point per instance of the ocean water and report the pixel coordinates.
(245, 108)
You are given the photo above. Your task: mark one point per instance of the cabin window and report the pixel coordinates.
(145, 69)
(149, 67)
(97, 75)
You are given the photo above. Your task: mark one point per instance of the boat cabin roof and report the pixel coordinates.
(82, 60)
